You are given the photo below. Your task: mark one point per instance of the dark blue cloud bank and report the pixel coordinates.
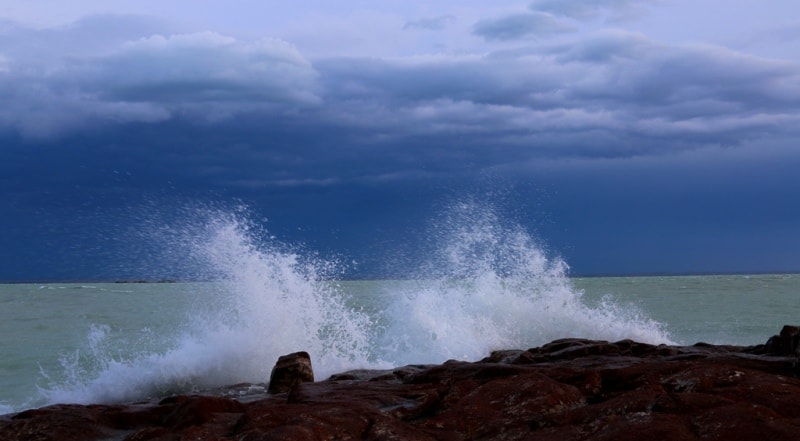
(621, 154)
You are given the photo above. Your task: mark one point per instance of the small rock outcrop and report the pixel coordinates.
(289, 371)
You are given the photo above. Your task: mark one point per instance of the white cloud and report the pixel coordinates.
(153, 78)
(208, 68)
(590, 9)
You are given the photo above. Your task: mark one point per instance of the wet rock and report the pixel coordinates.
(571, 389)
(197, 410)
(396, 374)
(786, 343)
(58, 422)
(289, 371)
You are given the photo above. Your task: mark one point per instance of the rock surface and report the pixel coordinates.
(289, 371)
(569, 389)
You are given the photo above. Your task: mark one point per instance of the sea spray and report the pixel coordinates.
(284, 301)
(267, 301)
(489, 285)
(486, 285)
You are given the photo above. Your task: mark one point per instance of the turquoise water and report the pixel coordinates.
(80, 342)
(719, 309)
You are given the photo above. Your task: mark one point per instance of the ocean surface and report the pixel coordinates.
(486, 286)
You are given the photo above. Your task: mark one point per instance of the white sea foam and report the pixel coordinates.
(491, 286)
(276, 302)
(488, 286)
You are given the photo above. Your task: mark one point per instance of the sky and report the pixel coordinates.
(626, 136)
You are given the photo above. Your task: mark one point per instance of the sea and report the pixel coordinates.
(487, 285)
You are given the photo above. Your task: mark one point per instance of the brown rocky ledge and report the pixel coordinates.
(569, 389)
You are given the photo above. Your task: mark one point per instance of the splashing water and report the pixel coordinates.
(270, 303)
(488, 286)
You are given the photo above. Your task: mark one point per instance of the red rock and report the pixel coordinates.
(58, 423)
(785, 343)
(569, 389)
(197, 410)
(289, 371)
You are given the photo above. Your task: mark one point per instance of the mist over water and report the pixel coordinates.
(486, 285)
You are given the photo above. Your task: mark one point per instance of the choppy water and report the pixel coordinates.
(487, 286)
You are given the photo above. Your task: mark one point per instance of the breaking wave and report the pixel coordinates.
(487, 285)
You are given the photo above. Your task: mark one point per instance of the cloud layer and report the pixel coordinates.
(619, 137)
(610, 93)
(149, 79)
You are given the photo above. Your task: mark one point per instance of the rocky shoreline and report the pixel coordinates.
(570, 389)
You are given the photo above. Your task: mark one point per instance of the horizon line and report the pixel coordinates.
(357, 279)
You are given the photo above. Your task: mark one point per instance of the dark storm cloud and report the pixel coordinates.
(613, 94)
(719, 209)
(149, 79)
(688, 86)
(206, 69)
(521, 25)
(609, 94)
(605, 122)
